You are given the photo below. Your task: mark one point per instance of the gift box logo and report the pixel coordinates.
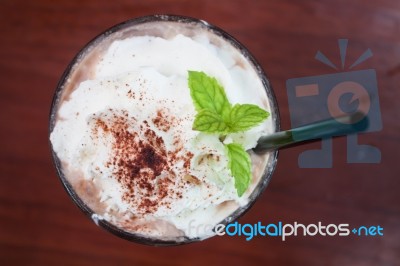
(317, 98)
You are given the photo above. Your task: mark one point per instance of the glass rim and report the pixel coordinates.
(272, 160)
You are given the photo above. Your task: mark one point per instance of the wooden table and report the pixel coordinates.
(39, 224)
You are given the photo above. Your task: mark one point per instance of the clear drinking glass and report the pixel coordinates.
(154, 26)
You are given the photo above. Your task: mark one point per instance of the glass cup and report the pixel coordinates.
(154, 26)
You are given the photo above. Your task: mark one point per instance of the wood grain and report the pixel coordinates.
(39, 224)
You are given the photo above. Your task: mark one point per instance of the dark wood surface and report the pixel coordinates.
(39, 224)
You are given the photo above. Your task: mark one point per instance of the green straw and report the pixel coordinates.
(345, 125)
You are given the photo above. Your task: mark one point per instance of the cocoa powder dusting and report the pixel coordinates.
(141, 163)
(163, 121)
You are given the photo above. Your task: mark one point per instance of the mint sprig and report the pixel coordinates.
(215, 114)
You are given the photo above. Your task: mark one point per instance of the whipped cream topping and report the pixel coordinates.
(128, 132)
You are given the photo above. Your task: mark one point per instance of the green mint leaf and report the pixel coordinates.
(245, 116)
(240, 165)
(210, 122)
(208, 94)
